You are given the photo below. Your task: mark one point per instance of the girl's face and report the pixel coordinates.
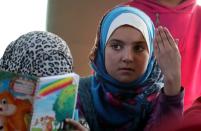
(126, 54)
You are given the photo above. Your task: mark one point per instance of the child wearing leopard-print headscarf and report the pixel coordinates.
(37, 53)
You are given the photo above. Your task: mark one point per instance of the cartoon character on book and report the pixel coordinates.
(2, 123)
(44, 123)
(13, 112)
(47, 123)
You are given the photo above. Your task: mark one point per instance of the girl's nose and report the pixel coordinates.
(128, 56)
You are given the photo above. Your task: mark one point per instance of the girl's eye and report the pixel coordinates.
(139, 48)
(116, 47)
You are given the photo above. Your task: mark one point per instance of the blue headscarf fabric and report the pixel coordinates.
(105, 89)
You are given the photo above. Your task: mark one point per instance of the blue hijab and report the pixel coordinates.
(105, 89)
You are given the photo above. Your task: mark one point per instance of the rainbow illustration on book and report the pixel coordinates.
(54, 86)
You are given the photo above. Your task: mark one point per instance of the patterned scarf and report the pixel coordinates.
(37, 53)
(119, 103)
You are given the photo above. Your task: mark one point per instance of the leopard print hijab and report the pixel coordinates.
(39, 54)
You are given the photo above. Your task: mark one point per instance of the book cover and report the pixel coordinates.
(16, 99)
(54, 101)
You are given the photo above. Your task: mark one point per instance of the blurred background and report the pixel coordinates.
(76, 21)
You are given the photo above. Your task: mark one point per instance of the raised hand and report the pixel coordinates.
(169, 59)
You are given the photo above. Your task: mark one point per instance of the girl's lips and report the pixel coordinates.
(126, 69)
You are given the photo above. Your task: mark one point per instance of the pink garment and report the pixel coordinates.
(184, 22)
(192, 118)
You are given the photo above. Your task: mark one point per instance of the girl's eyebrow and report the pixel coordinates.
(116, 40)
(120, 41)
(140, 42)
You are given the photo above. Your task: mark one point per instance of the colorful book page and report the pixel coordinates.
(55, 100)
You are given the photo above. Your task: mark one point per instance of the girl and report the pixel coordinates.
(127, 91)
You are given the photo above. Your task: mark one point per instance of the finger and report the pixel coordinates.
(170, 38)
(177, 43)
(158, 39)
(162, 36)
(156, 48)
(165, 39)
(73, 123)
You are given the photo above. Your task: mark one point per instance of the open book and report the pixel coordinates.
(16, 98)
(54, 101)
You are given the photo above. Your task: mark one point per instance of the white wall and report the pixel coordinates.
(18, 17)
(199, 2)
